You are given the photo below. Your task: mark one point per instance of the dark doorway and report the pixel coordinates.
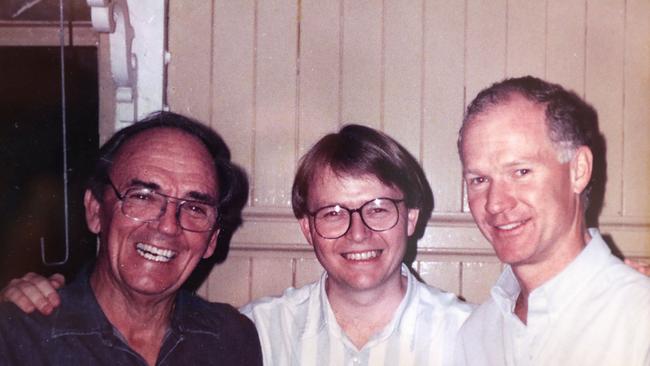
(31, 156)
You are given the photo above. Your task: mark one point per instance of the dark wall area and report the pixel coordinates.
(31, 155)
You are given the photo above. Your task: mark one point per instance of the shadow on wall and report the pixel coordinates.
(228, 229)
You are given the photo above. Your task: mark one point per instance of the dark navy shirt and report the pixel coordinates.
(78, 333)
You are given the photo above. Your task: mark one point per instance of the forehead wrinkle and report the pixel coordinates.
(193, 195)
(135, 182)
(167, 150)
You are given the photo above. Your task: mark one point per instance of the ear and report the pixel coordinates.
(412, 220)
(93, 210)
(305, 226)
(212, 244)
(581, 169)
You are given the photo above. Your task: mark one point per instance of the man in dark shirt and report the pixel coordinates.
(161, 192)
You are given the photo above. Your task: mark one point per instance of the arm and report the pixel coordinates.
(639, 266)
(34, 291)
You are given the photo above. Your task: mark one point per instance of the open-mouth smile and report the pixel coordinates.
(155, 254)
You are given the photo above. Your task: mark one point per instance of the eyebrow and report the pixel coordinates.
(509, 165)
(193, 195)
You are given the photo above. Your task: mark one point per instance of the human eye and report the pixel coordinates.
(477, 181)
(375, 209)
(139, 195)
(330, 213)
(522, 171)
(195, 208)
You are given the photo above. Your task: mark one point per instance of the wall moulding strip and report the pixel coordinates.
(45, 34)
(281, 214)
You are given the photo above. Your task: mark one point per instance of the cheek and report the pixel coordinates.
(476, 202)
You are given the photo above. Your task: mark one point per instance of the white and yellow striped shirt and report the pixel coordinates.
(299, 328)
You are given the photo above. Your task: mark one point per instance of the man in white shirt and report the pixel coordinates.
(359, 196)
(563, 298)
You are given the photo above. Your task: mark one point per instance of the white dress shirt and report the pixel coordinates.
(595, 312)
(299, 328)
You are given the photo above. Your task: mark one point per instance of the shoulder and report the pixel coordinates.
(441, 301)
(199, 313)
(21, 333)
(292, 301)
(483, 323)
(11, 316)
(619, 279)
(443, 312)
(620, 283)
(485, 312)
(218, 327)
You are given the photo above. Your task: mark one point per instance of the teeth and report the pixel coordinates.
(155, 254)
(362, 255)
(509, 226)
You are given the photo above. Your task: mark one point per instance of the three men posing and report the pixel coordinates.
(527, 163)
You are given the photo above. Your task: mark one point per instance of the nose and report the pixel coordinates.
(168, 222)
(499, 198)
(358, 231)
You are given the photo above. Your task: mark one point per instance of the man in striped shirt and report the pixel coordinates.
(360, 198)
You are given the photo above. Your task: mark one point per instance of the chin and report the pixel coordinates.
(510, 257)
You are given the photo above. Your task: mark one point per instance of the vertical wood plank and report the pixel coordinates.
(271, 276)
(361, 84)
(275, 111)
(477, 280)
(565, 43)
(604, 88)
(189, 71)
(443, 100)
(319, 108)
(486, 45)
(106, 89)
(403, 72)
(443, 275)
(233, 76)
(636, 161)
(485, 48)
(229, 281)
(526, 48)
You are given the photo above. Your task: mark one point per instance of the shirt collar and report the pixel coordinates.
(186, 318)
(563, 287)
(83, 315)
(326, 320)
(506, 290)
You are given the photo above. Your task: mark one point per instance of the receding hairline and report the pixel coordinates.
(175, 135)
(564, 152)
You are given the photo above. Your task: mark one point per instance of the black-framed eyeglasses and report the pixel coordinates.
(379, 214)
(145, 204)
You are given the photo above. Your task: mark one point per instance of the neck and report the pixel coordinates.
(141, 320)
(361, 314)
(533, 275)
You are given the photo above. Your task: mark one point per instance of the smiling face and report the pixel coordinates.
(361, 259)
(523, 199)
(152, 258)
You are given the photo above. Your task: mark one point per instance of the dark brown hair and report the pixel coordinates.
(359, 150)
(233, 184)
